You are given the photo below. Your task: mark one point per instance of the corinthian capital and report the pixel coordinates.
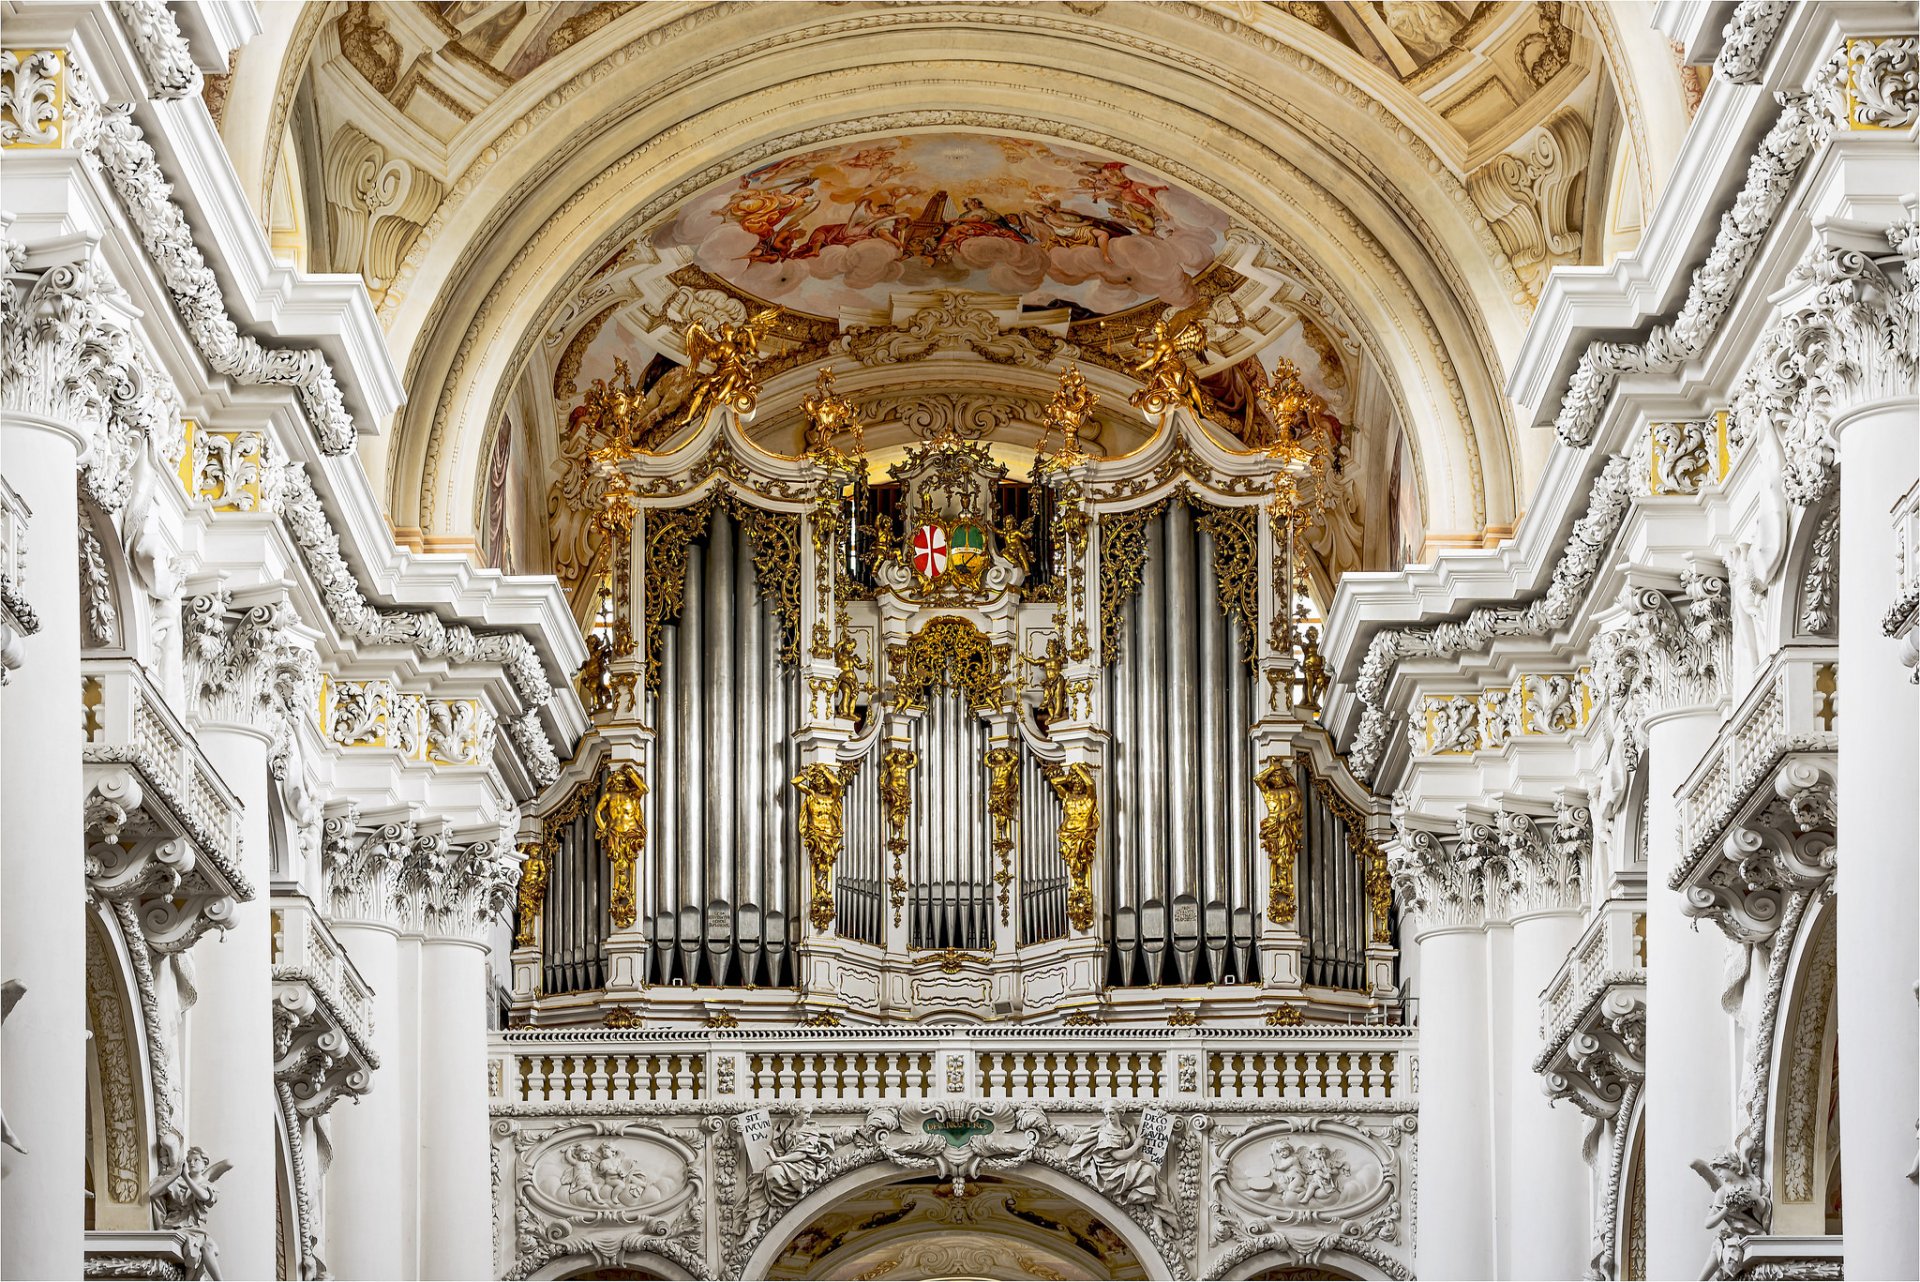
(249, 665)
(476, 891)
(1442, 890)
(1853, 338)
(1668, 651)
(1545, 857)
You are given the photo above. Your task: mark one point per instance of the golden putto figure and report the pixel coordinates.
(847, 685)
(533, 893)
(1003, 788)
(1280, 834)
(620, 821)
(820, 786)
(734, 352)
(1163, 366)
(1079, 835)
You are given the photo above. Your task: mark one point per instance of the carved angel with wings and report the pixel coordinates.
(734, 351)
(1163, 366)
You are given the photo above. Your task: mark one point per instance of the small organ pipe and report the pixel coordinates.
(749, 849)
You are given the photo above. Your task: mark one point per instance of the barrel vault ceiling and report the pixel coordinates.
(533, 192)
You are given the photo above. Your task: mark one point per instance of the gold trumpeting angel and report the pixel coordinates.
(734, 352)
(1163, 366)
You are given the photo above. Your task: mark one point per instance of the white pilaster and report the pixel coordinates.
(1548, 1230)
(1456, 1113)
(1878, 876)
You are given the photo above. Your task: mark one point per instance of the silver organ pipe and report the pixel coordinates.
(1333, 902)
(574, 924)
(950, 883)
(1043, 873)
(721, 827)
(1183, 840)
(859, 880)
(749, 758)
(722, 728)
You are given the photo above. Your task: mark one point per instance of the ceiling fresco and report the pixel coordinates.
(846, 227)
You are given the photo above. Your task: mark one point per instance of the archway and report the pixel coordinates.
(884, 1223)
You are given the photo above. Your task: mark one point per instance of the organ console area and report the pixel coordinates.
(945, 741)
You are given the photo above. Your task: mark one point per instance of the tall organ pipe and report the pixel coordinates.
(1182, 832)
(722, 729)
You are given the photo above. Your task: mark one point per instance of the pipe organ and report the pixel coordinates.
(953, 742)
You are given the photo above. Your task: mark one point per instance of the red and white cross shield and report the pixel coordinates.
(930, 551)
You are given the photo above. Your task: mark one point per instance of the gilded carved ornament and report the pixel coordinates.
(620, 822)
(896, 796)
(949, 653)
(821, 786)
(1078, 835)
(532, 892)
(1003, 804)
(1280, 834)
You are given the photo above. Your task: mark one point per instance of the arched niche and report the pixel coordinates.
(119, 1108)
(643, 1265)
(1116, 1248)
(1803, 1139)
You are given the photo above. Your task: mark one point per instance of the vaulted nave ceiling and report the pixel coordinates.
(1375, 191)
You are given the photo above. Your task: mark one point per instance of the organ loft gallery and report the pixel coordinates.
(968, 639)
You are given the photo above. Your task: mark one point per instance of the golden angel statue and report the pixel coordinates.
(1013, 544)
(734, 352)
(1079, 835)
(1164, 368)
(1280, 834)
(620, 822)
(820, 786)
(847, 686)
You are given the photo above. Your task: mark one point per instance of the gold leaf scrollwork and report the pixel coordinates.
(1123, 550)
(1235, 530)
(620, 821)
(949, 653)
(1280, 833)
(820, 786)
(1079, 835)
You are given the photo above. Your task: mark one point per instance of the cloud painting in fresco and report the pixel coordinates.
(848, 226)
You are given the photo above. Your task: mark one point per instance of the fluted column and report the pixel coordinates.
(243, 669)
(462, 890)
(1446, 903)
(1878, 956)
